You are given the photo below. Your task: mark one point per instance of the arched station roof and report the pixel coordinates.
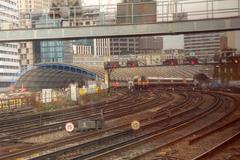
(53, 75)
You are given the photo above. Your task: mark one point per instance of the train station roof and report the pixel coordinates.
(181, 71)
(53, 75)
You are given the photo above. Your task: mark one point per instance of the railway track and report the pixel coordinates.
(186, 152)
(124, 149)
(164, 126)
(125, 132)
(119, 113)
(39, 122)
(220, 147)
(183, 119)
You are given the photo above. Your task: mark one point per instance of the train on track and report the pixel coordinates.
(144, 82)
(140, 82)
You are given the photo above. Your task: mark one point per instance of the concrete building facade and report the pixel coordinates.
(233, 38)
(25, 6)
(99, 47)
(132, 12)
(82, 50)
(27, 55)
(150, 44)
(123, 46)
(205, 44)
(55, 51)
(9, 57)
(136, 11)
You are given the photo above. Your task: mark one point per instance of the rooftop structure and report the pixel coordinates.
(53, 75)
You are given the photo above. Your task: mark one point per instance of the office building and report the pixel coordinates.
(26, 49)
(124, 46)
(233, 38)
(132, 12)
(55, 51)
(9, 57)
(136, 11)
(25, 6)
(152, 44)
(205, 44)
(98, 47)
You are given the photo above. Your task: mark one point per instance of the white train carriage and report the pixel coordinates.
(170, 81)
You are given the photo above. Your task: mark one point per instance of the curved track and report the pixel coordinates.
(165, 119)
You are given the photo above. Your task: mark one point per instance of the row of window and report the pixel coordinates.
(204, 40)
(7, 8)
(9, 1)
(122, 39)
(8, 74)
(52, 43)
(3, 21)
(4, 14)
(200, 47)
(202, 50)
(201, 36)
(8, 52)
(9, 67)
(202, 44)
(51, 50)
(4, 84)
(8, 45)
(52, 59)
(9, 60)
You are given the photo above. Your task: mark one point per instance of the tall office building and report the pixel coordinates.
(150, 44)
(205, 44)
(95, 47)
(26, 7)
(234, 40)
(136, 11)
(9, 57)
(132, 12)
(54, 51)
(100, 46)
(123, 46)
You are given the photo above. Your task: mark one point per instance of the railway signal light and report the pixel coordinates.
(235, 61)
(111, 65)
(114, 66)
(193, 62)
(132, 63)
(170, 62)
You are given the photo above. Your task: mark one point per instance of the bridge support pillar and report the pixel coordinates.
(106, 78)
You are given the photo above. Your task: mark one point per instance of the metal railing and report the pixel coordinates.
(123, 13)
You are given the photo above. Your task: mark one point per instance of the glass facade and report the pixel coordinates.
(52, 51)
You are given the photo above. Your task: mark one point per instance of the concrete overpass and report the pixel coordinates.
(163, 28)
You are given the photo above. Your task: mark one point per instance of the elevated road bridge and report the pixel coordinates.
(124, 19)
(182, 27)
